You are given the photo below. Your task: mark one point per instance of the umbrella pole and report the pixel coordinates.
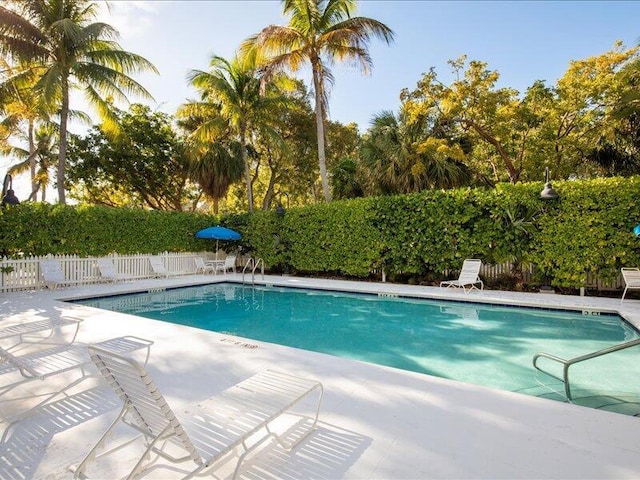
(217, 249)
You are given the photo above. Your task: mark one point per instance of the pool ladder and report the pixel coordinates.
(253, 264)
(572, 361)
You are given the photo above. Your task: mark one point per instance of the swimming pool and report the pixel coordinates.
(474, 343)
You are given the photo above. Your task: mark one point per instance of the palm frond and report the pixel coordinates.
(109, 81)
(125, 62)
(108, 115)
(19, 38)
(337, 11)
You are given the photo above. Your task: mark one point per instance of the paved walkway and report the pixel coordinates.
(376, 423)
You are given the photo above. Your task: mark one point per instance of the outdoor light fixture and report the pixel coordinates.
(8, 195)
(548, 193)
(280, 211)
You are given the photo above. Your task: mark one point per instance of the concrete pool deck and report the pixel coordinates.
(376, 422)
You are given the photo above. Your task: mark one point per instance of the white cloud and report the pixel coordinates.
(132, 18)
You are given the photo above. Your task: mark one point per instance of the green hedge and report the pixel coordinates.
(589, 229)
(40, 228)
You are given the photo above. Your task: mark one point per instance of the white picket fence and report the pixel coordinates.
(24, 274)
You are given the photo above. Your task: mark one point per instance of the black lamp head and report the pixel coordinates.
(548, 193)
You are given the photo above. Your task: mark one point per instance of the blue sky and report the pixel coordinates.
(524, 41)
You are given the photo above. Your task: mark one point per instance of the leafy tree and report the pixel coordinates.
(476, 105)
(318, 32)
(145, 166)
(582, 116)
(515, 137)
(71, 52)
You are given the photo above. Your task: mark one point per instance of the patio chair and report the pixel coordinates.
(40, 330)
(42, 364)
(206, 432)
(469, 276)
(631, 278)
(108, 271)
(159, 270)
(202, 267)
(52, 274)
(229, 264)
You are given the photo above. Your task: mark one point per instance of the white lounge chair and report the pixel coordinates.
(207, 431)
(631, 278)
(202, 267)
(469, 276)
(108, 270)
(52, 274)
(158, 268)
(39, 331)
(42, 364)
(229, 264)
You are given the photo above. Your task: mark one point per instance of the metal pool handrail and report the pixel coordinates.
(567, 363)
(254, 264)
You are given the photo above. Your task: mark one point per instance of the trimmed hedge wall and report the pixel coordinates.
(40, 228)
(589, 229)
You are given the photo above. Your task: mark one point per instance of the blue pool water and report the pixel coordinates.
(481, 344)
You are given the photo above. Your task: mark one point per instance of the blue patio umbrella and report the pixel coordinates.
(218, 233)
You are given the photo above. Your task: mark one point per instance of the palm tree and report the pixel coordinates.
(22, 111)
(217, 168)
(39, 159)
(402, 157)
(319, 32)
(232, 105)
(70, 52)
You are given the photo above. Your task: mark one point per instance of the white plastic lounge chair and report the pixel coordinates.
(35, 330)
(202, 267)
(108, 270)
(52, 274)
(631, 278)
(42, 364)
(207, 431)
(158, 268)
(468, 276)
(229, 264)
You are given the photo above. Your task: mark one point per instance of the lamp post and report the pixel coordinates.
(8, 195)
(281, 212)
(548, 193)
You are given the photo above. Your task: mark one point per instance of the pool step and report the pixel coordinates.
(625, 403)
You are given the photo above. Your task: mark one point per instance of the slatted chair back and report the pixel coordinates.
(230, 263)
(631, 277)
(470, 271)
(106, 268)
(51, 272)
(157, 266)
(148, 411)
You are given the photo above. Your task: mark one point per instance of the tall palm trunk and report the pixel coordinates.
(62, 154)
(317, 86)
(245, 161)
(35, 185)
